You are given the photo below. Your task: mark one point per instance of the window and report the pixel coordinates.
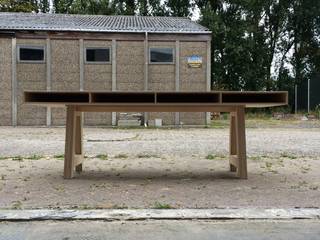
(97, 55)
(161, 55)
(31, 54)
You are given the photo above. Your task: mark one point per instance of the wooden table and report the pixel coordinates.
(217, 101)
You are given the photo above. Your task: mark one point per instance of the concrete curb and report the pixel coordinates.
(157, 214)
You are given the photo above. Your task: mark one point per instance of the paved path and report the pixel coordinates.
(156, 230)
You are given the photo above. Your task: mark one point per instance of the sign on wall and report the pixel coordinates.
(195, 61)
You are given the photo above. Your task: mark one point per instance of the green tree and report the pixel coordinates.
(304, 26)
(124, 7)
(62, 6)
(18, 6)
(44, 6)
(151, 8)
(100, 7)
(262, 45)
(179, 8)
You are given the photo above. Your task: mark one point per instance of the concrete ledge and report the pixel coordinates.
(155, 214)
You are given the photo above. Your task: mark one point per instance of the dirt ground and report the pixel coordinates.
(160, 168)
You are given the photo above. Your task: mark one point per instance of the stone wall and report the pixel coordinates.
(162, 78)
(130, 66)
(5, 82)
(65, 72)
(98, 77)
(193, 79)
(130, 71)
(30, 76)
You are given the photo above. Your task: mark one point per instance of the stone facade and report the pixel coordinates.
(30, 76)
(5, 82)
(98, 77)
(65, 67)
(65, 72)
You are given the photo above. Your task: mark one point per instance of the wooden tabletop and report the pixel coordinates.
(157, 100)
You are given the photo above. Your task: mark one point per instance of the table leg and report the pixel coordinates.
(73, 146)
(241, 143)
(232, 141)
(79, 141)
(238, 156)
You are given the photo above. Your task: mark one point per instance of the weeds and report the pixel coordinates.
(34, 157)
(115, 206)
(158, 205)
(214, 156)
(256, 158)
(102, 156)
(17, 158)
(121, 155)
(147, 156)
(287, 155)
(16, 205)
(59, 156)
(210, 157)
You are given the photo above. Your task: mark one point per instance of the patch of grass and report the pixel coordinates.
(288, 155)
(305, 169)
(219, 124)
(268, 165)
(102, 156)
(17, 158)
(116, 206)
(16, 205)
(214, 156)
(313, 187)
(256, 158)
(158, 205)
(142, 155)
(34, 157)
(59, 156)
(59, 188)
(4, 158)
(121, 155)
(210, 157)
(258, 115)
(81, 207)
(26, 179)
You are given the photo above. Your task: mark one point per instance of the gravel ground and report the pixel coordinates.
(160, 168)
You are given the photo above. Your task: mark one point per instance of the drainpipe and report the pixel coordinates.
(308, 95)
(146, 59)
(295, 99)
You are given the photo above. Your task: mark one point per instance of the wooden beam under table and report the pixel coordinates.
(74, 135)
(238, 156)
(73, 157)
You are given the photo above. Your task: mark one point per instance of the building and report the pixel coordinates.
(111, 53)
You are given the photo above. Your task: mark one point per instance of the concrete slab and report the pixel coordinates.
(157, 214)
(159, 230)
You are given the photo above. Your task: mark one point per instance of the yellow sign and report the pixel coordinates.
(195, 61)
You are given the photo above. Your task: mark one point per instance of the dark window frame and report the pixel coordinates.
(96, 62)
(37, 47)
(173, 55)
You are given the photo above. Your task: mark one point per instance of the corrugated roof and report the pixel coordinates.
(98, 23)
